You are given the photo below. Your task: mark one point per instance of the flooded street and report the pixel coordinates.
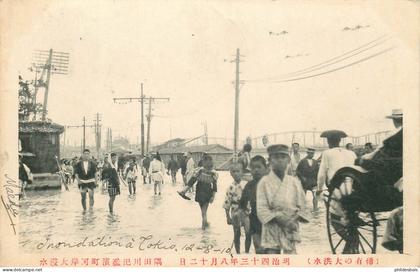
(56, 216)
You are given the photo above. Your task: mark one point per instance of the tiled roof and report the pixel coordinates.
(40, 126)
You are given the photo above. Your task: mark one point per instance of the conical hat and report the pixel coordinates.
(333, 134)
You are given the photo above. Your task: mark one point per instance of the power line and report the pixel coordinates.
(376, 42)
(339, 68)
(339, 58)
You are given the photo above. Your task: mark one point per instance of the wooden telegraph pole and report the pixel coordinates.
(142, 120)
(143, 99)
(51, 62)
(236, 125)
(97, 133)
(84, 131)
(149, 118)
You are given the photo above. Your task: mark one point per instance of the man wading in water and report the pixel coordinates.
(85, 173)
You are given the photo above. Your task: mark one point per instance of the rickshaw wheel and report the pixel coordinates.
(351, 225)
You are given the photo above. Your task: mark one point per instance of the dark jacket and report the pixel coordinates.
(111, 175)
(146, 163)
(80, 171)
(173, 165)
(183, 166)
(307, 174)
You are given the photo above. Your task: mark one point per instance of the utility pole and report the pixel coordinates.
(236, 126)
(141, 99)
(97, 134)
(110, 139)
(64, 138)
(206, 135)
(149, 117)
(142, 120)
(84, 131)
(107, 140)
(51, 62)
(47, 86)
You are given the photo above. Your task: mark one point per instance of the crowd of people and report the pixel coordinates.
(266, 198)
(112, 171)
(270, 206)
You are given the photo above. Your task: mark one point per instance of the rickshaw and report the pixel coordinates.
(355, 196)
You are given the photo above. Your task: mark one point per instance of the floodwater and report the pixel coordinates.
(144, 223)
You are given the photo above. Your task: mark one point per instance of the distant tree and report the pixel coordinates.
(26, 93)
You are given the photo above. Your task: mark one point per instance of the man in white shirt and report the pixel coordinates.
(190, 166)
(333, 158)
(294, 159)
(157, 172)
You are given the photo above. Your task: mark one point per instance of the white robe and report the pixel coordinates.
(277, 197)
(332, 160)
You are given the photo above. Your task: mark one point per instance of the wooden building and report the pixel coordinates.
(219, 153)
(42, 139)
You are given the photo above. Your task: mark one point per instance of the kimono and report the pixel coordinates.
(131, 172)
(393, 237)
(294, 162)
(157, 171)
(232, 201)
(206, 184)
(111, 175)
(279, 198)
(190, 168)
(248, 203)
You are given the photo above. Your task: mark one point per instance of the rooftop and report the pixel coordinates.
(40, 126)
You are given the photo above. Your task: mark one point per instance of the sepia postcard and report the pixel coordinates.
(209, 134)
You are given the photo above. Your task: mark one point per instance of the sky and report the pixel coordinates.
(183, 50)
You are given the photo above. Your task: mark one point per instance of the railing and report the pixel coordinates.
(304, 138)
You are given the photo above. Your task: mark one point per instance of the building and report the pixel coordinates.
(42, 139)
(173, 143)
(219, 153)
(40, 146)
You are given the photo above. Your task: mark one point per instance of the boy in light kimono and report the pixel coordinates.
(280, 203)
(131, 173)
(236, 216)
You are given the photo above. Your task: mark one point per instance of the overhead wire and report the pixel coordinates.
(338, 68)
(376, 42)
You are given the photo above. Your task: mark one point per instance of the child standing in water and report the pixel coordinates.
(206, 188)
(236, 216)
(248, 200)
(131, 176)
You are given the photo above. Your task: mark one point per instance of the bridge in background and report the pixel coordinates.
(304, 138)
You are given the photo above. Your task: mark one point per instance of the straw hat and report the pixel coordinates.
(396, 114)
